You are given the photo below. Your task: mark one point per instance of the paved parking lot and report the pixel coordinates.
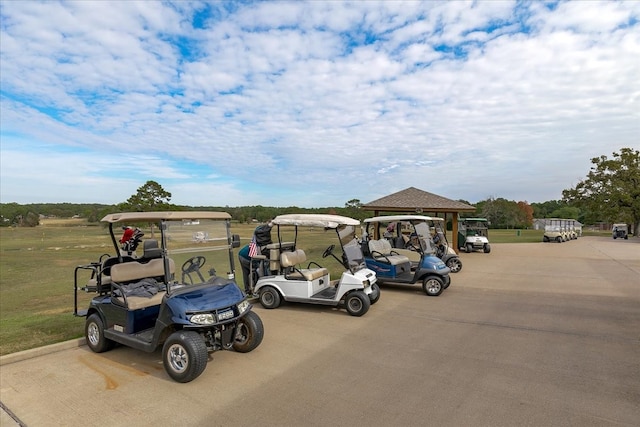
(530, 334)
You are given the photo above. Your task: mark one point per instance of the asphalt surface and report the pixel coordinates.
(539, 334)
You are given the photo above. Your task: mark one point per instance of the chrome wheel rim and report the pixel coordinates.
(178, 358)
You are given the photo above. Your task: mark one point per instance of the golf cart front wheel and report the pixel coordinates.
(269, 297)
(357, 303)
(249, 333)
(454, 264)
(469, 248)
(184, 356)
(487, 248)
(432, 286)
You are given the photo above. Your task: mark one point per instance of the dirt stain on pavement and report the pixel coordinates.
(97, 364)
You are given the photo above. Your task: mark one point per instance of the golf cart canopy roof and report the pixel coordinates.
(390, 218)
(315, 220)
(159, 216)
(476, 219)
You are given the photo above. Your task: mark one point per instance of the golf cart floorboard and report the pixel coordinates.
(328, 293)
(403, 279)
(140, 340)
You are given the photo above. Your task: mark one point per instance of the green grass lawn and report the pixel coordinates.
(37, 267)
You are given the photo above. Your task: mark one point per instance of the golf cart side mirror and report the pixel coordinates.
(235, 241)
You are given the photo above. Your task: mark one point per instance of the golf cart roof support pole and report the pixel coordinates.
(115, 243)
(230, 245)
(165, 255)
(454, 231)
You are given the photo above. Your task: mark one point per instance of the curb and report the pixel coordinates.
(40, 351)
(54, 348)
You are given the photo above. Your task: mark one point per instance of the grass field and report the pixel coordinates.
(37, 265)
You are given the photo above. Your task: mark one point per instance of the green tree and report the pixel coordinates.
(502, 213)
(612, 188)
(353, 204)
(150, 197)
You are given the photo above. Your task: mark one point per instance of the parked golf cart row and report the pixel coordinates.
(559, 230)
(142, 301)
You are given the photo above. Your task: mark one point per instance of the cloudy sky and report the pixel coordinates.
(312, 103)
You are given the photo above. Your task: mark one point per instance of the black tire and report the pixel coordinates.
(374, 296)
(487, 248)
(270, 297)
(94, 335)
(432, 286)
(357, 303)
(249, 333)
(469, 248)
(559, 239)
(184, 356)
(545, 238)
(454, 264)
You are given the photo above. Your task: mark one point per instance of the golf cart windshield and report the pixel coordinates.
(198, 244)
(414, 232)
(476, 226)
(345, 228)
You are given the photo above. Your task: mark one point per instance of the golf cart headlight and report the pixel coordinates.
(243, 306)
(202, 319)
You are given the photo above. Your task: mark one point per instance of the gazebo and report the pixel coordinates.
(413, 200)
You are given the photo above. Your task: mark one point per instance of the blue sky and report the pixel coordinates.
(312, 103)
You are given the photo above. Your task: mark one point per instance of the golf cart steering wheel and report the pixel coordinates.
(328, 251)
(413, 247)
(193, 265)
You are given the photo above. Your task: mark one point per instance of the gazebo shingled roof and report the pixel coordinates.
(414, 200)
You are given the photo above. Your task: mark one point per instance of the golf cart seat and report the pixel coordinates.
(150, 250)
(275, 249)
(381, 251)
(100, 280)
(292, 258)
(129, 272)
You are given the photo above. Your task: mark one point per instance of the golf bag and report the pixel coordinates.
(130, 240)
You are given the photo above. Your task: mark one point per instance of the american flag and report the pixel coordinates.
(253, 247)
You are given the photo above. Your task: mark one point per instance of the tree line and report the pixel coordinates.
(610, 193)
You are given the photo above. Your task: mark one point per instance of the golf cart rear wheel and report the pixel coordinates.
(94, 334)
(469, 248)
(249, 333)
(432, 286)
(454, 264)
(374, 296)
(184, 356)
(357, 303)
(269, 297)
(487, 248)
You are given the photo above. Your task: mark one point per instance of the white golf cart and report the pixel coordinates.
(620, 231)
(473, 234)
(288, 278)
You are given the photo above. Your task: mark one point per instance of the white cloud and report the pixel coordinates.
(315, 103)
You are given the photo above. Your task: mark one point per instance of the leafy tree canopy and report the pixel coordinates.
(150, 197)
(611, 188)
